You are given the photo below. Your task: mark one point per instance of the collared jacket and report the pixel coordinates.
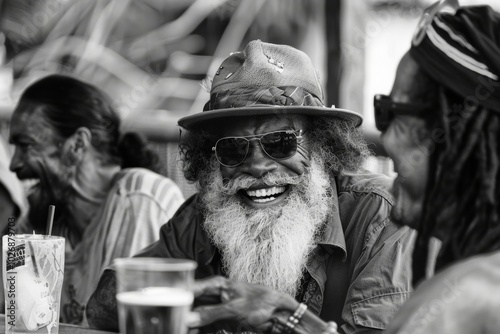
(358, 275)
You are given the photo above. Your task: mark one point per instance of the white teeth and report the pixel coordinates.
(264, 200)
(31, 182)
(30, 185)
(265, 192)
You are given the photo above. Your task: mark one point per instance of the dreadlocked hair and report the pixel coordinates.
(462, 206)
(339, 142)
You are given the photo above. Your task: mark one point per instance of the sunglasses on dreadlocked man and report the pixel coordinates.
(278, 145)
(386, 109)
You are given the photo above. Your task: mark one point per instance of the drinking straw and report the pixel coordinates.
(33, 260)
(50, 219)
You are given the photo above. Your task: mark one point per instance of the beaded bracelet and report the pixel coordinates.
(294, 319)
(331, 328)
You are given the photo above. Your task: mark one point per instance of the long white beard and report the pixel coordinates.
(268, 246)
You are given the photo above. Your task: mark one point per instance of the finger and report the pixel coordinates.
(193, 319)
(282, 317)
(266, 326)
(231, 290)
(205, 315)
(209, 287)
(226, 295)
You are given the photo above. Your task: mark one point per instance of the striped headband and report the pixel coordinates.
(461, 51)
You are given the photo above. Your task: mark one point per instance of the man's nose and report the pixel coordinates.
(257, 162)
(16, 163)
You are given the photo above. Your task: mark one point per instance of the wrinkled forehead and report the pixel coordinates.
(244, 126)
(27, 112)
(29, 120)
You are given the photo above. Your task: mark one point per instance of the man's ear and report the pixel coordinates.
(83, 139)
(76, 146)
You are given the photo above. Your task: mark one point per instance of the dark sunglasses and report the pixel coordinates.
(386, 109)
(278, 145)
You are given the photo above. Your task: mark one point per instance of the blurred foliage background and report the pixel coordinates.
(148, 55)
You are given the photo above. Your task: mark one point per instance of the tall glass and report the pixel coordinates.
(154, 295)
(33, 273)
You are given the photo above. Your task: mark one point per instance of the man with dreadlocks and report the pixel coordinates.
(283, 201)
(440, 125)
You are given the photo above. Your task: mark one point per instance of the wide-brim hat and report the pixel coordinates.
(265, 79)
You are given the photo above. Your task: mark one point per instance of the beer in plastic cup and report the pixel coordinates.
(154, 295)
(33, 273)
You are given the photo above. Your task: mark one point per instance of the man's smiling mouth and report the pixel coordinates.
(264, 195)
(31, 185)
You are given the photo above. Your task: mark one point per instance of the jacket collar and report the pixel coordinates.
(333, 233)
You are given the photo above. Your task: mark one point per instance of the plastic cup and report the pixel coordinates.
(33, 273)
(154, 295)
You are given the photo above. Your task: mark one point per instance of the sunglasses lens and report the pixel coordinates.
(279, 145)
(231, 151)
(382, 118)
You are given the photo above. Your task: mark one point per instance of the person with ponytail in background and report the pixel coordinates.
(110, 201)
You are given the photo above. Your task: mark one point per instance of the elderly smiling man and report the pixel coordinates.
(282, 201)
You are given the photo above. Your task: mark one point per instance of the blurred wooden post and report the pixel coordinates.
(351, 16)
(332, 18)
(352, 42)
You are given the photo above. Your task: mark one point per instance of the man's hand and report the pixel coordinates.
(251, 305)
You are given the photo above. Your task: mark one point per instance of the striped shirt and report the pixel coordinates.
(139, 203)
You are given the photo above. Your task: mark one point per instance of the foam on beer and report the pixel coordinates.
(156, 296)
